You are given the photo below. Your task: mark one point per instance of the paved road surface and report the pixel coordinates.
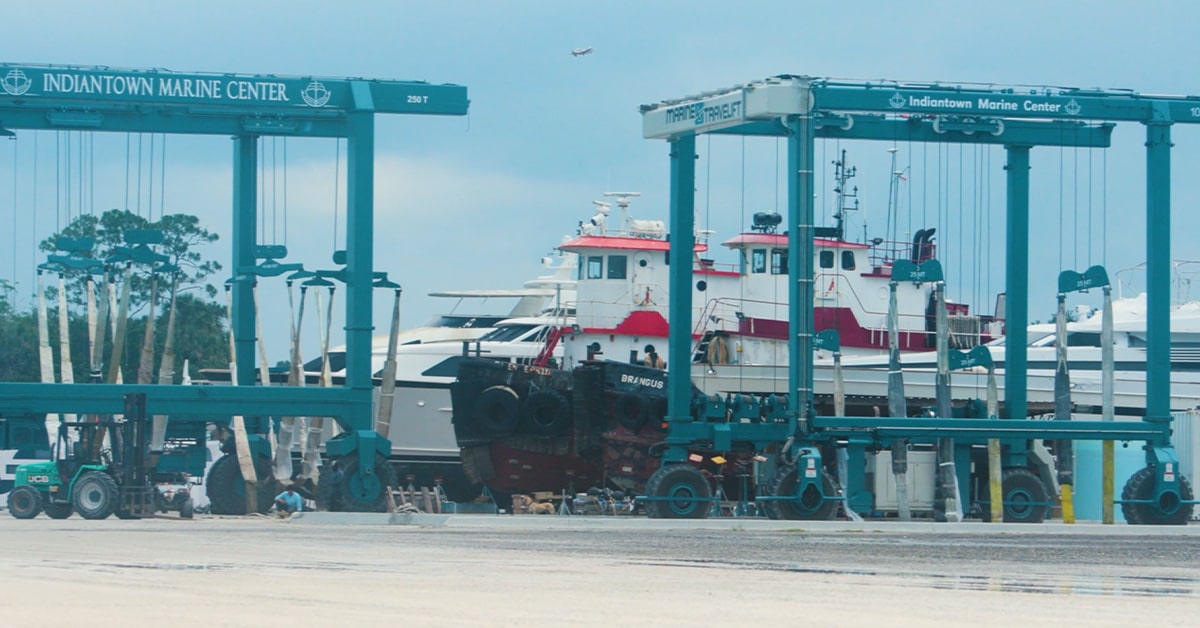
(534, 571)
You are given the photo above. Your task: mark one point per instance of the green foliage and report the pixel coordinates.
(182, 235)
(201, 335)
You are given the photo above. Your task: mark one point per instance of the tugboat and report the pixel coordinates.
(597, 420)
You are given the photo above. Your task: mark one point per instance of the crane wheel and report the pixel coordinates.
(1168, 509)
(808, 505)
(352, 491)
(683, 493)
(226, 489)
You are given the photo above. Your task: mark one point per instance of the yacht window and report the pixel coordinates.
(337, 362)
(445, 368)
(847, 260)
(595, 267)
(1083, 339)
(779, 262)
(506, 333)
(616, 266)
(758, 261)
(826, 259)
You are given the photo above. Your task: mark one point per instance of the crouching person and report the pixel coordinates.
(288, 502)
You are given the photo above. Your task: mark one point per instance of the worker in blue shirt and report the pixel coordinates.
(288, 502)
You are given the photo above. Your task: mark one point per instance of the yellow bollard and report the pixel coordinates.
(1068, 504)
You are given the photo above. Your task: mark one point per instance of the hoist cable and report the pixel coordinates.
(162, 180)
(150, 200)
(337, 174)
(285, 192)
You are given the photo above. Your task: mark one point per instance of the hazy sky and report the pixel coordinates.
(475, 202)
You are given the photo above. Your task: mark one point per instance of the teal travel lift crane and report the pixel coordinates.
(246, 108)
(802, 109)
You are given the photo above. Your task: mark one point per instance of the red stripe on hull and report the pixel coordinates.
(842, 319)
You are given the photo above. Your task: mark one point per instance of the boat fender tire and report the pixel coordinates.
(656, 410)
(496, 411)
(547, 413)
(630, 411)
(24, 502)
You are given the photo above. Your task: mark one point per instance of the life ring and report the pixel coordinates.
(630, 411)
(496, 410)
(547, 413)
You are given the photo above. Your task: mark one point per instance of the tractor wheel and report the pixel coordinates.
(58, 510)
(24, 502)
(187, 510)
(1025, 497)
(811, 504)
(95, 495)
(351, 491)
(1167, 510)
(226, 489)
(683, 491)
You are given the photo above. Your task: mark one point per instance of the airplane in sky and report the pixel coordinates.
(581, 51)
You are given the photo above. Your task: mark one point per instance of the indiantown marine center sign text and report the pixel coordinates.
(167, 86)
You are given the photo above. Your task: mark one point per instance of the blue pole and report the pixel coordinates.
(802, 134)
(1017, 282)
(683, 242)
(245, 235)
(360, 202)
(1158, 271)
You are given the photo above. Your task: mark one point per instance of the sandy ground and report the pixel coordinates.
(503, 572)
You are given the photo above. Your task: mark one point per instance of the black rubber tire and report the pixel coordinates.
(810, 505)
(656, 411)
(327, 479)
(226, 489)
(24, 502)
(1026, 499)
(346, 489)
(630, 411)
(57, 510)
(687, 489)
(547, 413)
(187, 510)
(497, 411)
(95, 495)
(1141, 486)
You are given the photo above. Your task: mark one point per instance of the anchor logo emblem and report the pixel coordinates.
(15, 83)
(897, 100)
(1072, 108)
(315, 95)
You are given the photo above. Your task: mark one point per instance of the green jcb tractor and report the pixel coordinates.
(89, 476)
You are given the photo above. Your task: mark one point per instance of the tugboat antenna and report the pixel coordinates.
(842, 173)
